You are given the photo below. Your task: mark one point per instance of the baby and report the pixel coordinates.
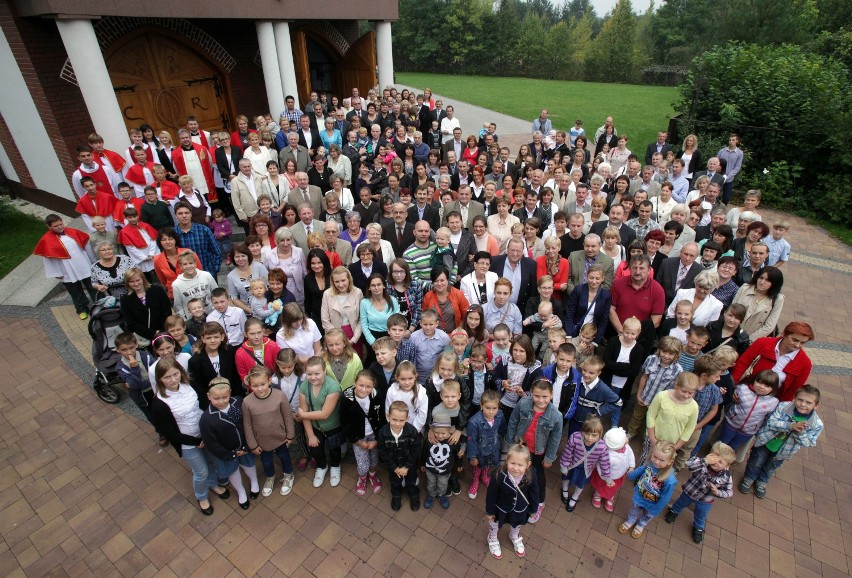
(260, 307)
(548, 321)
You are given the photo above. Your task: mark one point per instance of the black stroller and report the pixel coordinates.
(105, 322)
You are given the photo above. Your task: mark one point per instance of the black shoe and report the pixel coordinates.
(670, 517)
(415, 501)
(254, 495)
(697, 535)
(244, 505)
(572, 503)
(455, 486)
(206, 511)
(224, 495)
(396, 503)
(564, 498)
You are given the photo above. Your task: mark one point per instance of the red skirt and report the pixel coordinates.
(604, 491)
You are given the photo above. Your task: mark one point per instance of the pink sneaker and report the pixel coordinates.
(376, 483)
(596, 501)
(535, 517)
(610, 505)
(361, 486)
(473, 490)
(486, 478)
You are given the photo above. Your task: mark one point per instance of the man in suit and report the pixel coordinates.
(424, 116)
(462, 242)
(519, 270)
(509, 168)
(530, 210)
(308, 136)
(462, 176)
(616, 219)
(661, 146)
(580, 262)
(467, 208)
(713, 172)
(317, 117)
(455, 144)
(305, 193)
(357, 110)
(422, 209)
(400, 234)
(646, 183)
(305, 226)
(331, 232)
(296, 152)
(246, 187)
(677, 273)
(439, 113)
(582, 202)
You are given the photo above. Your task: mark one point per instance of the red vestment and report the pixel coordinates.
(101, 206)
(204, 157)
(51, 246)
(130, 235)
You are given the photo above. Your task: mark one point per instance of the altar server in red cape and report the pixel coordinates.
(95, 204)
(67, 256)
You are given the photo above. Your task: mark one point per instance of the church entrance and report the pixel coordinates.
(159, 81)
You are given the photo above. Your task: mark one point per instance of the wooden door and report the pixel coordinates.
(160, 81)
(358, 66)
(300, 63)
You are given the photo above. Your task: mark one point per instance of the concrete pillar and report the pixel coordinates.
(384, 54)
(285, 60)
(85, 55)
(30, 137)
(271, 72)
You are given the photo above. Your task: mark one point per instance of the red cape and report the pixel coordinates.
(101, 207)
(130, 235)
(203, 156)
(115, 160)
(50, 246)
(136, 174)
(118, 211)
(168, 190)
(102, 182)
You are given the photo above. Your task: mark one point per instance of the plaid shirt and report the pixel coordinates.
(410, 302)
(701, 476)
(779, 423)
(292, 115)
(659, 378)
(726, 292)
(706, 398)
(406, 351)
(200, 239)
(642, 230)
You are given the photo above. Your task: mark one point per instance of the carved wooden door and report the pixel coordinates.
(358, 66)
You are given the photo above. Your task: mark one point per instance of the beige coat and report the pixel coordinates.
(761, 317)
(245, 205)
(332, 311)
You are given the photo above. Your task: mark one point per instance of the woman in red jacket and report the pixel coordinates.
(783, 355)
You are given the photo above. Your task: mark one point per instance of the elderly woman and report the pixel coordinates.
(763, 300)
(588, 303)
(448, 302)
(340, 165)
(783, 355)
(679, 214)
(166, 264)
(144, 306)
(291, 260)
(554, 265)
(478, 285)
(382, 250)
(500, 225)
(333, 211)
(108, 271)
(365, 266)
(353, 233)
(408, 293)
(329, 135)
(341, 306)
(245, 270)
(705, 307)
(344, 196)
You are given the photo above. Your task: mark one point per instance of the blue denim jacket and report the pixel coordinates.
(548, 434)
(483, 440)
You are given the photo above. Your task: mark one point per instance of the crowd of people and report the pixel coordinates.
(440, 306)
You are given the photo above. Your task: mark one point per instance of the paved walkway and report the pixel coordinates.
(85, 490)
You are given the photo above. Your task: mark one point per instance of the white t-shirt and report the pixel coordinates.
(623, 357)
(302, 341)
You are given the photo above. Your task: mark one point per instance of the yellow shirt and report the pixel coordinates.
(671, 421)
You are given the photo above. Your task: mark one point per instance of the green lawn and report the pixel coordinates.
(639, 111)
(20, 233)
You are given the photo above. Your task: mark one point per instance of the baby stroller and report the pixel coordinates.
(105, 322)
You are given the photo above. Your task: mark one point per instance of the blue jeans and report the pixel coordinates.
(267, 459)
(705, 431)
(203, 470)
(727, 191)
(732, 437)
(701, 509)
(639, 516)
(761, 465)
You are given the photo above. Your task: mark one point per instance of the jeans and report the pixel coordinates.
(761, 465)
(733, 437)
(727, 191)
(639, 516)
(78, 290)
(702, 509)
(705, 431)
(203, 470)
(267, 460)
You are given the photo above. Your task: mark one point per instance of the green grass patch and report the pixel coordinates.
(841, 233)
(638, 111)
(20, 233)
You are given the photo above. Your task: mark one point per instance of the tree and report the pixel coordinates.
(610, 58)
(680, 30)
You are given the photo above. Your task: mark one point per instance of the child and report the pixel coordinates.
(483, 440)
(555, 338)
(709, 400)
(406, 389)
(655, 484)
(397, 326)
(727, 357)
(753, 403)
(538, 425)
(362, 415)
(584, 452)
(623, 361)
(176, 326)
(585, 342)
(779, 247)
(595, 397)
(100, 234)
(477, 376)
(622, 461)
(498, 349)
(696, 339)
(459, 345)
(140, 242)
(659, 373)
(399, 448)
(343, 365)
(438, 462)
(512, 498)
(447, 369)
(224, 437)
(453, 409)
(514, 377)
(429, 342)
(135, 368)
(269, 428)
(384, 367)
(155, 211)
(163, 347)
(565, 378)
(680, 324)
(319, 409)
(222, 232)
(260, 307)
(214, 358)
(257, 349)
(192, 283)
(444, 255)
(792, 426)
(539, 338)
(434, 137)
(196, 318)
(672, 414)
(473, 325)
(288, 377)
(709, 478)
(231, 318)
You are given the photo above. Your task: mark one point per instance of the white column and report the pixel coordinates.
(25, 125)
(384, 54)
(285, 59)
(271, 72)
(85, 55)
(7, 166)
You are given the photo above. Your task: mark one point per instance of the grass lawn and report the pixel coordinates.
(639, 111)
(20, 233)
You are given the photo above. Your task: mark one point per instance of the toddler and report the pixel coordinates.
(452, 410)
(584, 342)
(444, 255)
(399, 448)
(483, 440)
(222, 232)
(545, 312)
(100, 234)
(438, 463)
(622, 461)
(751, 406)
(512, 498)
(655, 483)
(260, 307)
(555, 338)
(584, 452)
(362, 414)
(659, 373)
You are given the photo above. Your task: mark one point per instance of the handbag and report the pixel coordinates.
(747, 373)
(332, 441)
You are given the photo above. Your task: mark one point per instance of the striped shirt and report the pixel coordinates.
(659, 378)
(420, 262)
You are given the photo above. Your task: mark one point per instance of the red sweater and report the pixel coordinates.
(797, 371)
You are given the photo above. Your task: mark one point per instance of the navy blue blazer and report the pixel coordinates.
(578, 305)
(358, 278)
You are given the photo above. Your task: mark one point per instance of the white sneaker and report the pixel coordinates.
(335, 476)
(287, 484)
(267, 487)
(519, 547)
(494, 548)
(319, 476)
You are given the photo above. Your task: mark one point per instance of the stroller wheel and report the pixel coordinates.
(108, 393)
